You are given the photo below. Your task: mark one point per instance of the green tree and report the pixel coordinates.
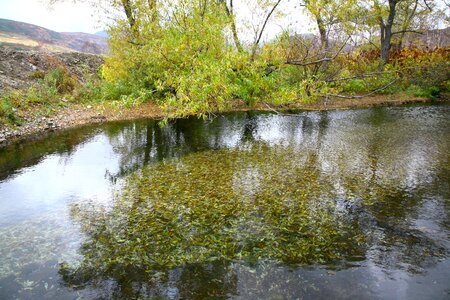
(327, 14)
(397, 17)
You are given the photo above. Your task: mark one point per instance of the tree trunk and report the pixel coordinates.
(153, 10)
(323, 34)
(386, 32)
(386, 36)
(235, 36)
(230, 15)
(126, 4)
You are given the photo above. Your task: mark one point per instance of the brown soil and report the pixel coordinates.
(18, 69)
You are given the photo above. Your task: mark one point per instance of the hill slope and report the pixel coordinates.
(20, 35)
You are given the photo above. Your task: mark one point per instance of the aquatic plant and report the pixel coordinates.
(218, 205)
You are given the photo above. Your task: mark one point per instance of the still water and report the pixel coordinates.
(317, 205)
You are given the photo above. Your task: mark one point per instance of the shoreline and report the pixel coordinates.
(35, 127)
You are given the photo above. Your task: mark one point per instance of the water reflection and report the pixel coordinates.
(384, 174)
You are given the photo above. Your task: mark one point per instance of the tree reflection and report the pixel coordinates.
(190, 211)
(144, 142)
(339, 189)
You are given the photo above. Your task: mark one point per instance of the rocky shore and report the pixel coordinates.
(33, 125)
(76, 115)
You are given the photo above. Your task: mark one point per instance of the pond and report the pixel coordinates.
(249, 205)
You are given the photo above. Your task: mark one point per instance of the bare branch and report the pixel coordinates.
(406, 31)
(427, 5)
(255, 46)
(354, 77)
(368, 75)
(315, 62)
(301, 63)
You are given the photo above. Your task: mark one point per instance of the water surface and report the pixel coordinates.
(340, 204)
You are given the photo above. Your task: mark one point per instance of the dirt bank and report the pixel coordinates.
(18, 69)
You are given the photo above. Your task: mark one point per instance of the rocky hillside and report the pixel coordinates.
(18, 68)
(24, 36)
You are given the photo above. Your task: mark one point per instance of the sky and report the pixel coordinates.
(68, 16)
(61, 17)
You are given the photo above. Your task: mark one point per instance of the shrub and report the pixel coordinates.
(428, 92)
(60, 80)
(355, 86)
(7, 111)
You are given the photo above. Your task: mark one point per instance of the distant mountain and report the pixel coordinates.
(20, 35)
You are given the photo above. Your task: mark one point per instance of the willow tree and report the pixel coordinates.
(182, 60)
(179, 54)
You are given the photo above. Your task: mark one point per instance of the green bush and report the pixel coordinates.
(355, 86)
(60, 80)
(91, 91)
(7, 111)
(423, 92)
(56, 83)
(249, 84)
